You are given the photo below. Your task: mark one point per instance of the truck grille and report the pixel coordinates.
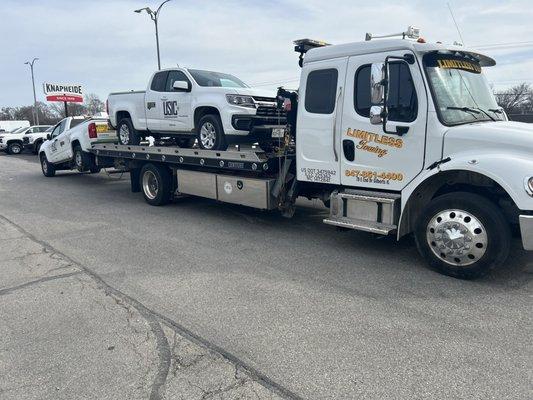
(25, 140)
(264, 99)
(267, 111)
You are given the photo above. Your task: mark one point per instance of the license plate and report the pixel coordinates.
(278, 132)
(102, 128)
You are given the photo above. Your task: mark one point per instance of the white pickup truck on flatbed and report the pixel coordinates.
(68, 145)
(189, 104)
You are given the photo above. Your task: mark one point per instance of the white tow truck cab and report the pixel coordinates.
(395, 136)
(188, 104)
(68, 145)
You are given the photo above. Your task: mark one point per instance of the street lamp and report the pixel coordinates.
(154, 15)
(36, 113)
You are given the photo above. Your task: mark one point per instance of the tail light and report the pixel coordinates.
(92, 131)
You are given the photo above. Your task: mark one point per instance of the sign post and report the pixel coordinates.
(67, 93)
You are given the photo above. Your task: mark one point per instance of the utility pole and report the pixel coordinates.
(154, 15)
(35, 111)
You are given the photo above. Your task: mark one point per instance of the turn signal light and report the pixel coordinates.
(92, 131)
(287, 105)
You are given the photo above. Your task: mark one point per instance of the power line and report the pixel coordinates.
(503, 45)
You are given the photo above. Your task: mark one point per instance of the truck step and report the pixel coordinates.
(361, 225)
(367, 195)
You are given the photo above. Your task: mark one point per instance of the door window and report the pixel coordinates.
(402, 102)
(58, 130)
(158, 82)
(174, 76)
(321, 90)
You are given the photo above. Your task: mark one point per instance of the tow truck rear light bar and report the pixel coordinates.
(302, 46)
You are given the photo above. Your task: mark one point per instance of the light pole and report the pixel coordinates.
(154, 15)
(36, 112)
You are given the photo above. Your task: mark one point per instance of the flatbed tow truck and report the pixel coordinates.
(394, 136)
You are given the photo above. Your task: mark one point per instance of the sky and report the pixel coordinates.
(106, 47)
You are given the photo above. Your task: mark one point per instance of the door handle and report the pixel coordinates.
(335, 124)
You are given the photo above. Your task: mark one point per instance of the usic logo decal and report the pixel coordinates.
(170, 109)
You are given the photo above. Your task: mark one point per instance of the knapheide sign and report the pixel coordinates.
(63, 92)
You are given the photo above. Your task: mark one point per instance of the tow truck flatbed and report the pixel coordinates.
(250, 160)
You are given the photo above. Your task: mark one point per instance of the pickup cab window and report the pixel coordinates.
(159, 81)
(402, 103)
(216, 79)
(174, 76)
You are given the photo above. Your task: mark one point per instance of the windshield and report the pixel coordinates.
(216, 79)
(18, 130)
(462, 94)
(50, 129)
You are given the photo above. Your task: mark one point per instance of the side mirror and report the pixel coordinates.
(376, 115)
(49, 137)
(377, 83)
(181, 86)
(378, 88)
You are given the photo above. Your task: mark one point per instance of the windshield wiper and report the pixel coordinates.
(468, 110)
(486, 113)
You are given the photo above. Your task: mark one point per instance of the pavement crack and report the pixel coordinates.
(36, 282)
(155, 320)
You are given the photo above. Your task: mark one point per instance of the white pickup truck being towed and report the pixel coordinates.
(189, 104)
(67, 146)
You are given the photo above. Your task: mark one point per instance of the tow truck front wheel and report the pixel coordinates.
(463, 235)
(48, 168)
(127, 134)
(156, 184)
(211, 134)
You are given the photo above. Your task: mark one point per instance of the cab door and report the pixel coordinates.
(177, 105)
(370, 157)
(55, 146)
(319, 121)
(153, 101)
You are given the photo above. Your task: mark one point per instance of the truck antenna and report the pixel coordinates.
(455, 23)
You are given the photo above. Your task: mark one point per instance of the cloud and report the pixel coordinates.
(106, 47)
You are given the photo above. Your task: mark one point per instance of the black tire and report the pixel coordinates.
(80, 159)
(156, 184)
(127, 134)
(48, 169)
(470, 242)
(14, 148)
(213, 137)
(185, 143)
(95, 169)
(37, 147)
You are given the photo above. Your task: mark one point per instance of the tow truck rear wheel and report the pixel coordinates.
(156, 184)
(210, 133)
(127, 134)
(48, 169)
(463, 235)
(14, 148)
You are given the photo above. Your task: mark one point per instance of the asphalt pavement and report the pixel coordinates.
(299, 308)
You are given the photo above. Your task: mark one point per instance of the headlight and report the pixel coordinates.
(239, 100)
(528, 182)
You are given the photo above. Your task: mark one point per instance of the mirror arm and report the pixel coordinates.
(400, 130)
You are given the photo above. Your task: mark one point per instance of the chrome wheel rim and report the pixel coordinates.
(78, 159)
(150, 185)
(15, 149)
(208, 135)
(124, 134)
(44, 165)
(457, 237)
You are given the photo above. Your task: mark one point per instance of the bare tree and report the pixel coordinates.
(515, 99)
